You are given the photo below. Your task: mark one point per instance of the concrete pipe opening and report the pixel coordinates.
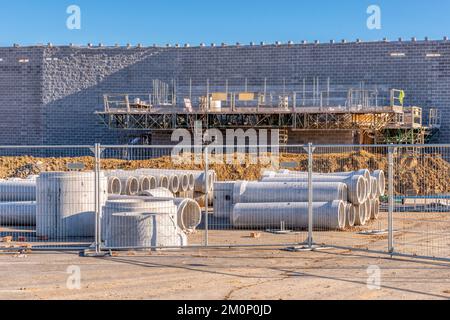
(381, 178)
(144, 183)
(153, 182)
(359, 215)
(375, 209)
(114, 185)
(367, 209)
(191, 179)
(131, 186)
(184, 182)
(163, 181)
(174, 183)
(189, 214)
(351, 216)
(374, 189)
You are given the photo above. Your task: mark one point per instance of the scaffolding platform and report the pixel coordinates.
(383, 123)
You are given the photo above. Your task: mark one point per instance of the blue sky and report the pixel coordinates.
(195, 21)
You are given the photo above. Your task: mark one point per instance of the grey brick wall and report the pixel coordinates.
(52, 98)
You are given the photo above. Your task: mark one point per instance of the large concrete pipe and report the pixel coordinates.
(130, 185)
(147, 183)
(248, 192)
(114, 185)
(18, 213)
(189, 214)
(174, 183)
(374, 208)
(356, 184)
(191, 181)
(379, 175)
(360, 218)
(163, 181)
(374, 190)
(326, 215)
(350, 216)
(141, 223)
(184, 182)
(18, 190)
(66, 204)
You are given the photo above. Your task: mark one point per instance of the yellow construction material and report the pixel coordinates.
(219, 96)
(246, 96)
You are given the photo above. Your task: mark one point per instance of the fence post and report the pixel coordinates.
(391, 199)
(97, 153)
(310, 195)
(206, 195)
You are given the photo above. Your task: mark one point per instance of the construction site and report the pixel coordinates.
(355, 174)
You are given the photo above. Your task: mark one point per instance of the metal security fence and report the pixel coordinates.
(421, 184)
(392, 199)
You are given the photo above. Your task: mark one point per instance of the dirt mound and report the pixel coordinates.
(415, 174)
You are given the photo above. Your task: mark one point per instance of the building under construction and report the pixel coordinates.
(311, 114)
(334, 93)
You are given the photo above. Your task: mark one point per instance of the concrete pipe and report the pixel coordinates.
(147, 183)
(17, 190)
(191, 181)
(189, 214)
(130, 185)
(114, 185)
(184, 182)
(18, 213)
(374, 209)
(158, 193)
(141, 223)
(248, 192)
(381, 179)
(65, 204)
(326, 215)
(350, 216)
(360, 218)
(174, 183)
(374, 190)
(163, 181)
(356, 185)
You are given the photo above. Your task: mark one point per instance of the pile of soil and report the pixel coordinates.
(415, 174)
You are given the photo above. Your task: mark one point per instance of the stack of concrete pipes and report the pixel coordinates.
(340, 200)
(18, 202)
(182, 183)
(62, 205)
(364, 190)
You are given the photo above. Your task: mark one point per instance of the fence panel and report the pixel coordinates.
(363, 223)
(422, 201)
(246, 212)
(47, 197)
(155, 197)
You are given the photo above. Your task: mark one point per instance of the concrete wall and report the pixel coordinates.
(52, 98)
